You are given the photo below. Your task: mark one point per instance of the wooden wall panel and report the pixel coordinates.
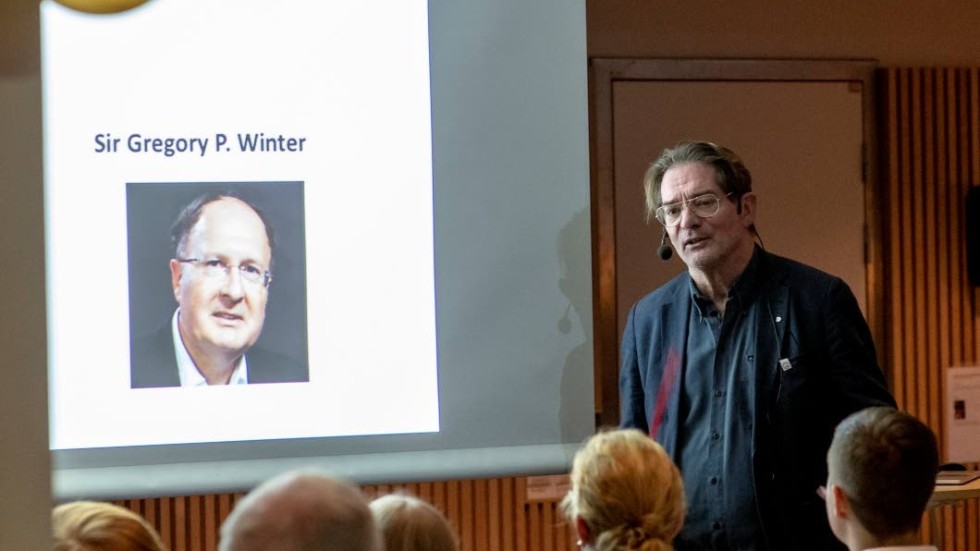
(487, 515)
(931, 157)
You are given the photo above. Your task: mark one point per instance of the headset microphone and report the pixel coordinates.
(664, 251)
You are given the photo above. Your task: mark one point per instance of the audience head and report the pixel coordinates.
(882, 469)
(301, 511)
(410, 524)
(95, 526)
(626, 494)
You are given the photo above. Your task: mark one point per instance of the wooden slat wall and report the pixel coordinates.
(931, 157)
(487, 514)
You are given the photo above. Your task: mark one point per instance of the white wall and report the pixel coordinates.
(25, 495)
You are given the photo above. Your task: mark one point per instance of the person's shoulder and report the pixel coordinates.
(796, 272)
(668, 292)
(152, 360)
(807, 286)
(269, 366)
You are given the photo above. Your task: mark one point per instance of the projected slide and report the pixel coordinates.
(239, 222)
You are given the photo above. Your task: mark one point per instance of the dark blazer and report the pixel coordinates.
(815, 364)
(153, 363)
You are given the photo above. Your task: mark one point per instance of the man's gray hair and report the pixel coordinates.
(731, 173)
(191, 214)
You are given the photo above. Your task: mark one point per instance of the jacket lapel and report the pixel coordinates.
(673, 335)
(773, 323)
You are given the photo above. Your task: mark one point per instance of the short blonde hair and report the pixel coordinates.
(410, 524)
(628, 492)
(97, 526)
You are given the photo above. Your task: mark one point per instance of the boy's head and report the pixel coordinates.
(882, 470)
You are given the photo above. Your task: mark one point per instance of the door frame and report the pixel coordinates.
(604, 73)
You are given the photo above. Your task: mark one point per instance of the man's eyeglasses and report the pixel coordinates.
(703, 206)
(214, 268)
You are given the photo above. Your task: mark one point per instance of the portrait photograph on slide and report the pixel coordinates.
(223, 266)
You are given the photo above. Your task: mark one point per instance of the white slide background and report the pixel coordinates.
(323, 71)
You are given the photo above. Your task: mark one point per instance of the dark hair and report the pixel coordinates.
(885, 461)
(191, 213)
(731, 173)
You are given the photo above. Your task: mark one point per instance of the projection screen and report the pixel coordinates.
(424, 170)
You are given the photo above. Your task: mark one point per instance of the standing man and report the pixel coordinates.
(742, 367)
(220, 275)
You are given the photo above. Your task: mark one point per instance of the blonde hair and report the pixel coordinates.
(410, 524)
(96, 526)
(627, 491)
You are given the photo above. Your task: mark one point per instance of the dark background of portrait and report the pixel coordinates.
(151, 209)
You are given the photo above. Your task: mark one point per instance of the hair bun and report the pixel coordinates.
(638, 536)
(635, 536)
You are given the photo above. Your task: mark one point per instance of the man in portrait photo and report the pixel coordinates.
(221, 270)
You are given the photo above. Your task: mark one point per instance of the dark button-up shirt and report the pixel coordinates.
(717, 409)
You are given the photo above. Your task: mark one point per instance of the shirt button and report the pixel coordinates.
(715, 435)
(719, 393)
(713, 480)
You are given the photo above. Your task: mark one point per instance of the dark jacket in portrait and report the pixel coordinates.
(153, 363)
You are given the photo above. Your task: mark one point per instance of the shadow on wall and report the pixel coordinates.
(575, 261)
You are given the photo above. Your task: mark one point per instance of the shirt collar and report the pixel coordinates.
(189, 375)
(739, 295)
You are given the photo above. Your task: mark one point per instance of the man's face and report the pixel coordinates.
(705, 244)
(221, 314)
